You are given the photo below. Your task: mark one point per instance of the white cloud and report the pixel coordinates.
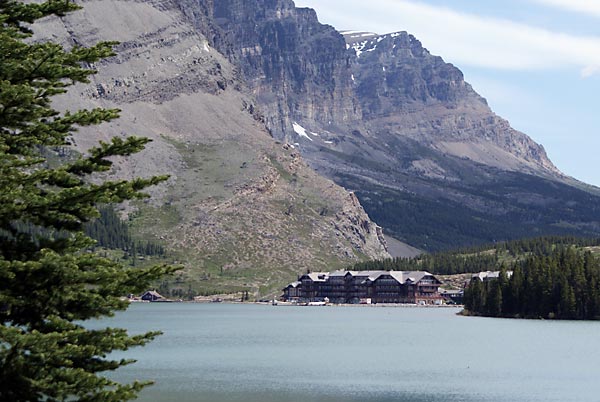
(468, 39)
(580, 6)
(589, 71)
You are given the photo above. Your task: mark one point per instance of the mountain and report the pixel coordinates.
(241, 210)
(264, 117)
(378, 114)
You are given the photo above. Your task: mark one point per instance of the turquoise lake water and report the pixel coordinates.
(254, 353)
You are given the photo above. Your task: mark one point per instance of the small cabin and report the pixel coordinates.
(152, 296)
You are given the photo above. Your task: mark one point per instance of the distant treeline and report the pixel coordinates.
(111, 232)
(564, 285)
(108, 230)
(476, 259)
(544, 245)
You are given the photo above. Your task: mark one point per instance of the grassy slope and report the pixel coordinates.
(238, 220)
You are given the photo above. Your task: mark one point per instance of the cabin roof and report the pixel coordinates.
(153, 293)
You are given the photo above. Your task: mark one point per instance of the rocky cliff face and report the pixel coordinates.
(409, 92)
(241, 211)
(305, 72)
(380, 115)
(297, 68)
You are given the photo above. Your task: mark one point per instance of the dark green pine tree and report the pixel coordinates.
(49, 284)
(494, 300)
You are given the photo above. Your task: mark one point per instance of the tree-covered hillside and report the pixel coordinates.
(433, 218)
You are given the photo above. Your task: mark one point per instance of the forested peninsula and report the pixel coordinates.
(562, 285)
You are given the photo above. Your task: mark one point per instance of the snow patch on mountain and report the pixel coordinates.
(301, 131)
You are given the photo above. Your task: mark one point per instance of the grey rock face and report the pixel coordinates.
(406, 90)
(297, 68)
(397, 67)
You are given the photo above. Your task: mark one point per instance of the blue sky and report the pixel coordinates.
(537, 62)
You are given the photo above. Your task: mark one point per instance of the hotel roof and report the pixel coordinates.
(400, 276)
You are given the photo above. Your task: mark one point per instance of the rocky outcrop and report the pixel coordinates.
(297, 68)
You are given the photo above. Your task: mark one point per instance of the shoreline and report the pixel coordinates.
(375, 305)
(288, 304)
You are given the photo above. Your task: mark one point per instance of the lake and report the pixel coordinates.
(255, 353)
